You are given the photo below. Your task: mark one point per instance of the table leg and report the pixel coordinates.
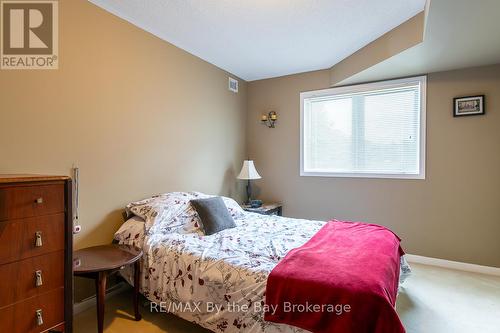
(137, 276)
(100, 284)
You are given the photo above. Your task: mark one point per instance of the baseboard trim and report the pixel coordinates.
(457, 265)
(89, 302)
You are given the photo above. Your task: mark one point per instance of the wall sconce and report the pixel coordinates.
(269, 119)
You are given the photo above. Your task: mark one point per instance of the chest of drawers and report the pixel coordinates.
(36, 254)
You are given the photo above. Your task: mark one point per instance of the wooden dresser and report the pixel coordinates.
(36, 245)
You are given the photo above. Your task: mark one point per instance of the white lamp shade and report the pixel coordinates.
(248, 171)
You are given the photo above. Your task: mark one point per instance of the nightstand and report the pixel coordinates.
(266, 209)
(98, 262)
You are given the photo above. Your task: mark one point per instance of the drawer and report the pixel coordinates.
(22, 317)
(27, 201)
(18, 237)
(19, 279)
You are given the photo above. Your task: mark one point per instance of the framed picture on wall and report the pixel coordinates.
(468, 106)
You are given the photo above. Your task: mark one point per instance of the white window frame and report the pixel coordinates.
(422, 80)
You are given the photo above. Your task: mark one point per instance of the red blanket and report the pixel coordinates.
(344, 279)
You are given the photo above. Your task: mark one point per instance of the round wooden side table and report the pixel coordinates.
(98, 262)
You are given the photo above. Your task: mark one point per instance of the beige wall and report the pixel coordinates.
(136, 114)
(453, 214)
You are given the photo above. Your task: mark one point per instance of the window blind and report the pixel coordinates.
(365, 130)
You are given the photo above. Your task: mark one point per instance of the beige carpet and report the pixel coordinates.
(433, 300)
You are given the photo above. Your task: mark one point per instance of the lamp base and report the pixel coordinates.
(249, 194)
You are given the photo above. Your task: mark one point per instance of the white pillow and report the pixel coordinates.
(131, 232)
(173, 212)
(161, 208)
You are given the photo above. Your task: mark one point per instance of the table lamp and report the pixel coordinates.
(248, 172)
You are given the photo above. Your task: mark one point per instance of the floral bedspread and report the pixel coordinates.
(216, 281)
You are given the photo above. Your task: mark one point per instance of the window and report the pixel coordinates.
(374, 130)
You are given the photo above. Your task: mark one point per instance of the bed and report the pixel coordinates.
(216, 281)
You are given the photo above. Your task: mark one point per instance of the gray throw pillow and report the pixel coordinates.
(213, 214)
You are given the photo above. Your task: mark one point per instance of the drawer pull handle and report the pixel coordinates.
(38, 239)
(39, 281)
(39, 201)
(39, 317)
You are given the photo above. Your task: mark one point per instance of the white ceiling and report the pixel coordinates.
(458, 34)
(256, 39)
